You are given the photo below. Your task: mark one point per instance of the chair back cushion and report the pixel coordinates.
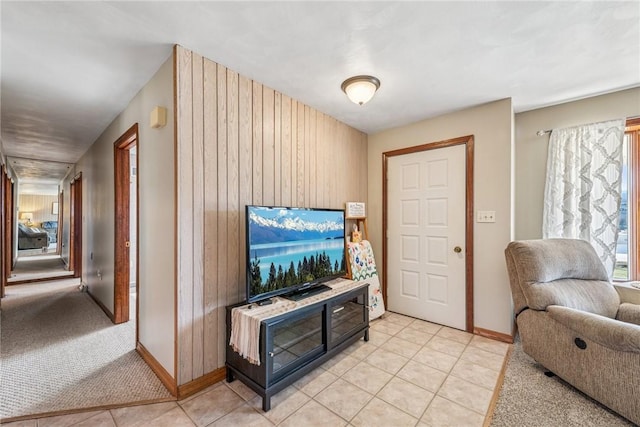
(564, 272)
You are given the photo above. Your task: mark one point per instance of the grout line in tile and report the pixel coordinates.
(448, 374)
(112, 418)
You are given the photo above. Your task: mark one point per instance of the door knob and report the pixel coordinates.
(457, 249)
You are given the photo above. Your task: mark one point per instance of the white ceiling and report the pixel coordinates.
(68, 68)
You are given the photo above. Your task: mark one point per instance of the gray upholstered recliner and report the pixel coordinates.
(31, 237)
(572, 322)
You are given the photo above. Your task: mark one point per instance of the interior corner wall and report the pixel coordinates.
(238, 143)
(156, 209)
(531, 150)
(491, 126)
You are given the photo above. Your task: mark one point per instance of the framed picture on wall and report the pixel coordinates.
(54, 208)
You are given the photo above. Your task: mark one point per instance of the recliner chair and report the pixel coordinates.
(571, 320)
(31, 237)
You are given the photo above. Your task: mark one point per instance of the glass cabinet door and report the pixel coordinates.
(295, 340)
(347, 317)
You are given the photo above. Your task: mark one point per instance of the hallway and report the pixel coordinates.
(61, 353)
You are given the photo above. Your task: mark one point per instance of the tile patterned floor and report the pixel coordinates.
(410, 373)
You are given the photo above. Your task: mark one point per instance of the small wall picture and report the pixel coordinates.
(54, 208)
(355, 210)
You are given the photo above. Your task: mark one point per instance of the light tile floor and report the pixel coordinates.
(410, 373)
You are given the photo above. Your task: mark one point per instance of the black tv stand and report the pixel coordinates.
(306, 292)
(297, 341)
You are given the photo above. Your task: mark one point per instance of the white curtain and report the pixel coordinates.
(582, 193)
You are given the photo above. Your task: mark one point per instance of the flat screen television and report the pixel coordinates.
(291, 250)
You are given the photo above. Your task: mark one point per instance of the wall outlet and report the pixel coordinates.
(486, 216)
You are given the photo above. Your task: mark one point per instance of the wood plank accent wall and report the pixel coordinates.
(238, 143)
(38, 204)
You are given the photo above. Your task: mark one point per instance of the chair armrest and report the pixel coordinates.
(627, 292)
(608, 332)
(629, 313)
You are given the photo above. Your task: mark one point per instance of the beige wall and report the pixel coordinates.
(157, 215)
(491, 126)
(240, 143)
(531, 150)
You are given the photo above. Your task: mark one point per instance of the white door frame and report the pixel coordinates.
(468, 142)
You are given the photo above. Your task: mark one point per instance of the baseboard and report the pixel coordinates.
(185, 390)
(498, 336)
(192, 387)
(102, 306)
(164, 376)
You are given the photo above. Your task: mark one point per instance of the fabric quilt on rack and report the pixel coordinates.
(363, 268)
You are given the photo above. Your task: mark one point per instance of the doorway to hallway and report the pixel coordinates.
(126, 223)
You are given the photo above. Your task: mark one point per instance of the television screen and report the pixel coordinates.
(292, 248)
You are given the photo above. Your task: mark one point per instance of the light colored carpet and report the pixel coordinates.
(38, 267)
(60, 352)
(530, 398)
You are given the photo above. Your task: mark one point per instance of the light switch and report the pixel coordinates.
(486, 216)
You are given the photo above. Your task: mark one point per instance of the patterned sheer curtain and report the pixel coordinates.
(583, 187)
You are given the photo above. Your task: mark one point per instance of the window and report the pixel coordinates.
(627, 253)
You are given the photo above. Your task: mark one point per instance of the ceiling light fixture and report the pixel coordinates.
(360, 89)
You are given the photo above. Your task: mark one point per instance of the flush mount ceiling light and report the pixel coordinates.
(360, 89)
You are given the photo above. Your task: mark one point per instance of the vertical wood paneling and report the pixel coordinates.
(268, 149)
(224, 287)
(307, 149)
(277, 144)
(242, 143)
(328, 162)
(198, 216)
(257, 143)
(343, 163)
(363, 167)
(294, 153)
(286, 151)
(39, 205)
(351, 165)
(245, 161)
(233, 200)
(332, 163)
(300, 157)
(321, 154)
(185, 218)
(355, 164)
(214, 312)
(313, 156)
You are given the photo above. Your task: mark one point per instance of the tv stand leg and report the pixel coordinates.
(266, 403)
(230, 377)
(366, 335)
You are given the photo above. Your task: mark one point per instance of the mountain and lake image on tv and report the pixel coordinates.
(289, 249)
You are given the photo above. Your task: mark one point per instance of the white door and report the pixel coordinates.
(426, 235)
